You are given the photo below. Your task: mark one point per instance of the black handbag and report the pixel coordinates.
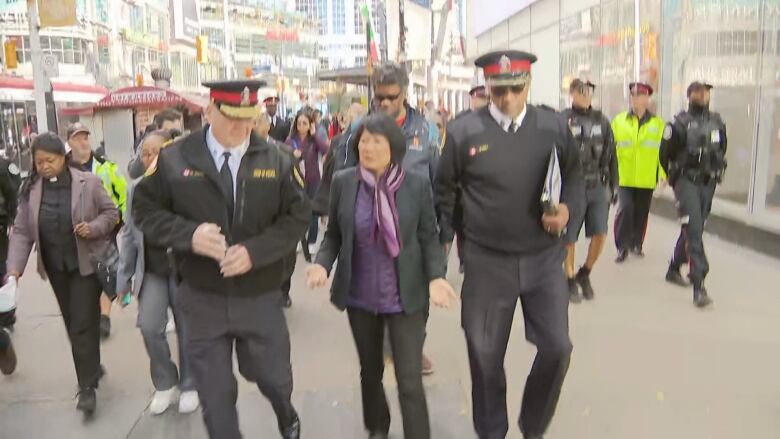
(106, 266)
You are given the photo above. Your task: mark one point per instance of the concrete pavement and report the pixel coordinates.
(646, 363)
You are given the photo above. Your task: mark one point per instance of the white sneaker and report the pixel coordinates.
(170, 327)
(162, 400)
(188, 402)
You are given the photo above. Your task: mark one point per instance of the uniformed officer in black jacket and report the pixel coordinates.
(497, 158)
(693, 154)
(9, 188)
(592, 132)
(231, 207)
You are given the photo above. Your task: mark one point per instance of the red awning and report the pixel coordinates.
(7, 81)
(150, 97)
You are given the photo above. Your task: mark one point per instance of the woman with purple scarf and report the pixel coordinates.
(382, 231)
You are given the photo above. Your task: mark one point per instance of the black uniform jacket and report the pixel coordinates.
(271, 211)
(498, 178)
(281, 130)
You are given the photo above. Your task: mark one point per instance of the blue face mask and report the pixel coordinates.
(355, 124)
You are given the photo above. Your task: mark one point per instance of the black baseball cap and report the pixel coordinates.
(697, 85)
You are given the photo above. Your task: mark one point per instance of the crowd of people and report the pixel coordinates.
(207, 233)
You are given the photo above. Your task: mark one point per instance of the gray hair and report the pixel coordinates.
(390, 74)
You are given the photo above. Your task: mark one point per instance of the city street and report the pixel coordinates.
(646, 363)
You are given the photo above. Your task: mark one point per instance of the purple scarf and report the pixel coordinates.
(385, 211)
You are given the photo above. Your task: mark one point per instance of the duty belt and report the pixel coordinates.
(697, 176)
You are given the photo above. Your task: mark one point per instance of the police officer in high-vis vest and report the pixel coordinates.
(593, 134)
(693, 153)
(497, 159)
(638, 134)
(232, 208)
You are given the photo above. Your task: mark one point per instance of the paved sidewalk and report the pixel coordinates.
(646, 363)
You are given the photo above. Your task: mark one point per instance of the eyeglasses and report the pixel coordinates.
(502, 90)
(380, 98)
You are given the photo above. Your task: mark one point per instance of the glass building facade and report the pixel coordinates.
(732, 44)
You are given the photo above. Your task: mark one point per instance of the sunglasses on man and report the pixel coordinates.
(501, 90)
(381, 98)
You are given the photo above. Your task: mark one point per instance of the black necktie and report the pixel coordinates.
(512, 127)
(227, 183)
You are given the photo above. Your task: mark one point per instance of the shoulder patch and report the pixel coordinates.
(667, 132)
(297, 176)
(152, 168)
(13, 169)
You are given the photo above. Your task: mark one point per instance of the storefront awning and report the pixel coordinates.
(355, 75)
(150, 97)
(19, 89)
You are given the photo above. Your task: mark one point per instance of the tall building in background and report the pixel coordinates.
(343, 42)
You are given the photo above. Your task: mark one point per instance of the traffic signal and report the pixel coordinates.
(9, 49)
(248, 72)
(202, 49)
(139, 79)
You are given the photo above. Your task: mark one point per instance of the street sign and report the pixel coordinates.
(51, 65)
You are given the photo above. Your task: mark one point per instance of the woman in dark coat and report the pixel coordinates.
(382, 231)
(69, 218)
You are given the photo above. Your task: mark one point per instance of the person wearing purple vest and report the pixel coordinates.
(382, 231)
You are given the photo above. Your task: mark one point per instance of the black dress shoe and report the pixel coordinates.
(701, 299)
(87, 401)
(574, 291)
(673, 276)
(293, 431)
(105, 326)
(583, 279)
(7, 354)
(622, 256)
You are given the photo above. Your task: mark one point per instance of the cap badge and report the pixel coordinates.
(245, 97)
(505, 64)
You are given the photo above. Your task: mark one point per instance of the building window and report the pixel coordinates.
(136, 18)
(243, 44)
(339, 17)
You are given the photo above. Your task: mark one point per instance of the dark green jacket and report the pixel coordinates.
(422, 256)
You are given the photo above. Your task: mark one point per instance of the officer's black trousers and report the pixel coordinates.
(79, 300)
(493, 283)
(631, 218)
(694, 202)
(257, 328)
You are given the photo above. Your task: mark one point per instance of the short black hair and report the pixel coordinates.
(386, 126)
(48, 142)
(169, 115)
(390, 73)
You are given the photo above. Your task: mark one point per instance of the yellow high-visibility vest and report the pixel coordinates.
(637, 150)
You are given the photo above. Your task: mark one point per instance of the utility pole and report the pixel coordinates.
(40, 83)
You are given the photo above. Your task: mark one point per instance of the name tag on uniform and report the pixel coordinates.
(596, 131)
(187, 172)
(264, 173)
(576, 130)
(474, 150)
(715, 136)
